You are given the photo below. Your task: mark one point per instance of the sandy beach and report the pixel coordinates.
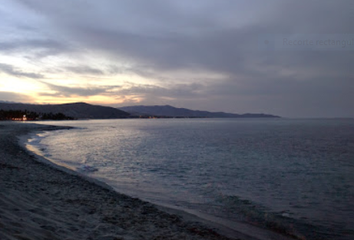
(38, 201)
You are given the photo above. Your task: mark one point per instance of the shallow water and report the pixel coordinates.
(295, 177)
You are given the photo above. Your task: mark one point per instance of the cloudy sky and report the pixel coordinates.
(293, 58)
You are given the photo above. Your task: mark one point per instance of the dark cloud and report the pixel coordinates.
(158, 32)
(10, 70)
(159, 37)
(15, 97)
(156, 95)
(62, 91)
(33, 44)
(186, 91)
(84, 70)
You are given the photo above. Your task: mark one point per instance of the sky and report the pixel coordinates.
(292, 58)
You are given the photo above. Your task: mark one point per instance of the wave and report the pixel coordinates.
(86, 168)
(281, 222)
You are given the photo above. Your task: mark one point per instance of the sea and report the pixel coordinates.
(294, 177)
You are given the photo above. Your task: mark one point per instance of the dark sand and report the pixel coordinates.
(38, 202)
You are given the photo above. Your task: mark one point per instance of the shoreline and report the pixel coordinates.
(42, 201)
(222, 226)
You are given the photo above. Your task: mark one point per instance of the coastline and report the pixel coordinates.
(39, 201)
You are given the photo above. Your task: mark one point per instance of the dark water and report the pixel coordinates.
(294, 177)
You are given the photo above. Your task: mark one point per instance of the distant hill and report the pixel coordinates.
(169, 111)
(75, 110)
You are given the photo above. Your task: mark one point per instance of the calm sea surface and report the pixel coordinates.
(290, 176)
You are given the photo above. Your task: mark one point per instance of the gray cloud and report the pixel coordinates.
(14, 97)
(84, 70)
(217, 36)
(62, 91)
(35, 48)
(10, 70)
(153, 94)
(156, 92)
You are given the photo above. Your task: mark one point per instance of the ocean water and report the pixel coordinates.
(293, 177)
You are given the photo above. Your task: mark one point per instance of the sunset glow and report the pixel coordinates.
(122, 53)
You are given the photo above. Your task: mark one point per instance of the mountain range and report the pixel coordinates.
(87, 111)
(76, 110)
(169, 111)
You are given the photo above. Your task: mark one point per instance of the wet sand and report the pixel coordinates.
(39, 201)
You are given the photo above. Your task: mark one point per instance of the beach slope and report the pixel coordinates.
(38, 202)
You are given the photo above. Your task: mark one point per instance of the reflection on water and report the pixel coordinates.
(291, 176)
